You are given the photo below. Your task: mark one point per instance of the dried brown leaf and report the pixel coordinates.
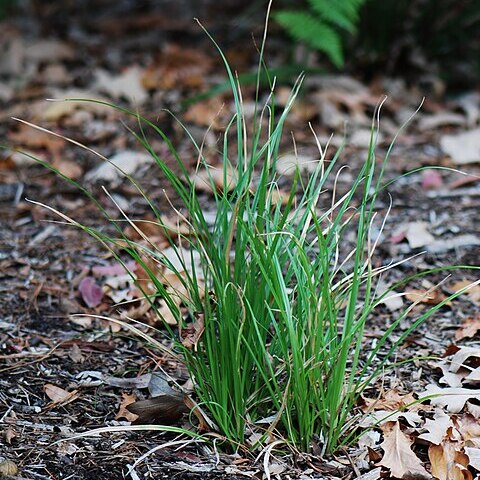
(470, 326)
(399, 457)
(469, 428)
(428, 297)
(392, 400)
(448, 461)
(123, 412)
(164, 409)
(453, 399)
(436, 428)
(31, 138)
(58, 395)
(206, 113)
(192, 334)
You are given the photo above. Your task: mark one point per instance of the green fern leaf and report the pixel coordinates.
(314, 32)
(341, 13)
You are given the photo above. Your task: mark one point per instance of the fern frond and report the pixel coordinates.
(341, 13)
(314, 32)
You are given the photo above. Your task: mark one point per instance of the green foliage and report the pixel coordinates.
(321, 24)
(282, 351)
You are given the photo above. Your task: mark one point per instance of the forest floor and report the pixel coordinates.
(61, 374)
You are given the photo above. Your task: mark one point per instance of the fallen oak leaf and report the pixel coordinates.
(462, 355)
(206, 113)
(25, 136)
(123, 412)
(380, 417)
(437, 428)
(469, 428)
(392, 400)
(118, 166)
(453, 399)
(399, 458)
(448, 461)
(127, 84)
(177, 66)
(157, 231)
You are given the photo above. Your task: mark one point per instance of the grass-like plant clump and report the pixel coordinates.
(278, 307)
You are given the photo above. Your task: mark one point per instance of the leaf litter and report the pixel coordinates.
(449, 439)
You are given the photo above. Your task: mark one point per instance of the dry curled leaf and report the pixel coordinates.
(155, 231)
(453, 399)
(399, 457)
(469, 428)
(192, 334)
(58, 395)
(465, 357)
(448, 461)
(428, 297)
(436, 428)
(470, 326)
(123, 412)
(164, 409)
(32, 138)
(391, 400)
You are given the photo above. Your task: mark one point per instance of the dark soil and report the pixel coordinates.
(41, 263)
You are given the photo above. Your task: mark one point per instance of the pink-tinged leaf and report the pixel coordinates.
(113, 270)
(431, 179)
(90, 291)
(398, 237)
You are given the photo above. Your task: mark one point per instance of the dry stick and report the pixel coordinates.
(19, 365)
